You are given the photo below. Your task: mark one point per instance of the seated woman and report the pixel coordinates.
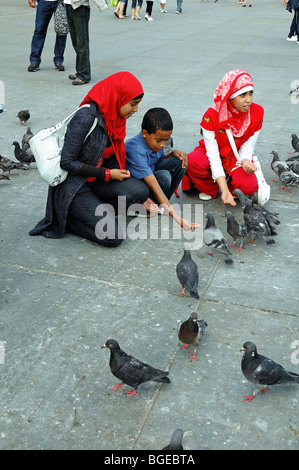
(81, 205)
(212, 166)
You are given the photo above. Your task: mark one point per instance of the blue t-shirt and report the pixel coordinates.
(141, 160)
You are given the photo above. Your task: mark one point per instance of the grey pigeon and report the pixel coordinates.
(255, 219)
(131, 371)
(191, 331)
(272, 217)
(7, 165)
(295, 142)
(23, 116)
(4, 177)
(175, 441)
(26, 138)
(213, 238)
(262, 371)
(294, 167)
(236, 230)
(187, 273)
(22, 156)
(284, 172)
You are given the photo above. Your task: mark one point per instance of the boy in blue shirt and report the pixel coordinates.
(146, 160)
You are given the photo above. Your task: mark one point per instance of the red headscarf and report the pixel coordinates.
(230, 117)
(110, 95)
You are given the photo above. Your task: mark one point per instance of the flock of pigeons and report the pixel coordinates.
(258, 369)
(258, 221)
(22, 152)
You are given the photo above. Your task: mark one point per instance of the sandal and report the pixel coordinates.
(116, 14)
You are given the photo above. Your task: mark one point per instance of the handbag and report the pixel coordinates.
(113, 3)
(46, 147)
(61, 27)
(263, 193)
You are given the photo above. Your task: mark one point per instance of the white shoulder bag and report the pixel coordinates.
(263, 194)
(46, 147)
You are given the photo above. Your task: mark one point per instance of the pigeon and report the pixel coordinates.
(187, 273)
(4, 177)
(7, 165)
(131, 371)
(294, 167)
(26, 138)
(175, 441)
(191, 331)
(255, 219)
(262, 371)
(295, 142)
(23, 116)
(284, 172)
(236, 230)
(22, 156)
(272, 217)
(213, 237)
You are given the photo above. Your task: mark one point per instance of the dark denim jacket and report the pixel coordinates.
(75, 152)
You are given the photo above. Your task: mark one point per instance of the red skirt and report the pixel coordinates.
(199, 174)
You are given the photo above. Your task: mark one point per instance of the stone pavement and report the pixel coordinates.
(62, 299)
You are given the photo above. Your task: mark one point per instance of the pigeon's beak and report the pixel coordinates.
(104, 346)
(242, 349)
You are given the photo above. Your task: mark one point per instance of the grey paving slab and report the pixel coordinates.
(60, 300)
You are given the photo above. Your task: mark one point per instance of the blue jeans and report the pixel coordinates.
(169, 173)
(179, 6)
(44, 13)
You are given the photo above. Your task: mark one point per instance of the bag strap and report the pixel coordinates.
(232, 143)
(66, 120)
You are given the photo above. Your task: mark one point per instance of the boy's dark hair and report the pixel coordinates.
(157, 118)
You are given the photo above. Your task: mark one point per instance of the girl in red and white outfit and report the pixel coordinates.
(212, 165)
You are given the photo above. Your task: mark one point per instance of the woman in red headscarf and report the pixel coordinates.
(212, 166)
(83, 204)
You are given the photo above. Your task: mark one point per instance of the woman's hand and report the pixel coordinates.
(32, 3)
(116, 174)
(248, 166)
(227, 198)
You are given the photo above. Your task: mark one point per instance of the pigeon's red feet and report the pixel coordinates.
(185, 346)
(264, 390)
(249, 398)
(117, 387)
(182, 291)
(239, 249)
(275, 181)
(132, 392)
(193, 357)
(210, 254)
(232, 246)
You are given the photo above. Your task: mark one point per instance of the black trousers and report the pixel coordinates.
(78, 21)
(94, 212)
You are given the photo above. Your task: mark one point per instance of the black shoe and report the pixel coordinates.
(73, 76)
(78, 81)
(33, 67)
(59, 67)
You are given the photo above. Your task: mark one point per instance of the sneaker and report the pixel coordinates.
(59, 67)
(73, 76)
(163, 11)
(178, 12)
(33, 67)
(204, 197)
(146, 16)
(150, 19)
(293, 38)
